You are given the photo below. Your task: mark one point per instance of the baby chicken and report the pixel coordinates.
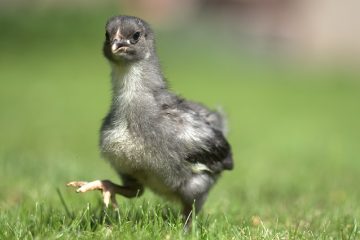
(152, 137)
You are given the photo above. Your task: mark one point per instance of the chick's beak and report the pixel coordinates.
(119, 45)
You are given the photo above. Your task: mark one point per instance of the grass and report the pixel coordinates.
(294, 132)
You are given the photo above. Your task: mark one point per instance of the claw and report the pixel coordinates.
(76, 184)
(107, 187)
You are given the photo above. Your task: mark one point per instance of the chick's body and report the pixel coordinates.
(150, 136)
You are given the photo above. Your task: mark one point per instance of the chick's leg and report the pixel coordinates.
(109, 190)
(188, 209)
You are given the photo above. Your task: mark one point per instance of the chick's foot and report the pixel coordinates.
(108, 188)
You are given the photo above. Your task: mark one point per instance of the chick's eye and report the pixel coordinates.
(107, 36)
(136, 36)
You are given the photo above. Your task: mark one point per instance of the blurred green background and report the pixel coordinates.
(293, 121)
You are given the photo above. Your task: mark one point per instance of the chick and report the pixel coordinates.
(150, 136)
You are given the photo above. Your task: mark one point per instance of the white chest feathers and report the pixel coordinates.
(126, 83)
(117, 144)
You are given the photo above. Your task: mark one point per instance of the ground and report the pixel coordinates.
(294, 131)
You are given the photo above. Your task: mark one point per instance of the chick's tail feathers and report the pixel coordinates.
(218, 120)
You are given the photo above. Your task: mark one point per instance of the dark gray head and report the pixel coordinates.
(128, 39)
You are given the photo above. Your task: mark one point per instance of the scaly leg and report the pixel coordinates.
(108, 188)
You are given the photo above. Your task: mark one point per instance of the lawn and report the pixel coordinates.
(294, 131)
